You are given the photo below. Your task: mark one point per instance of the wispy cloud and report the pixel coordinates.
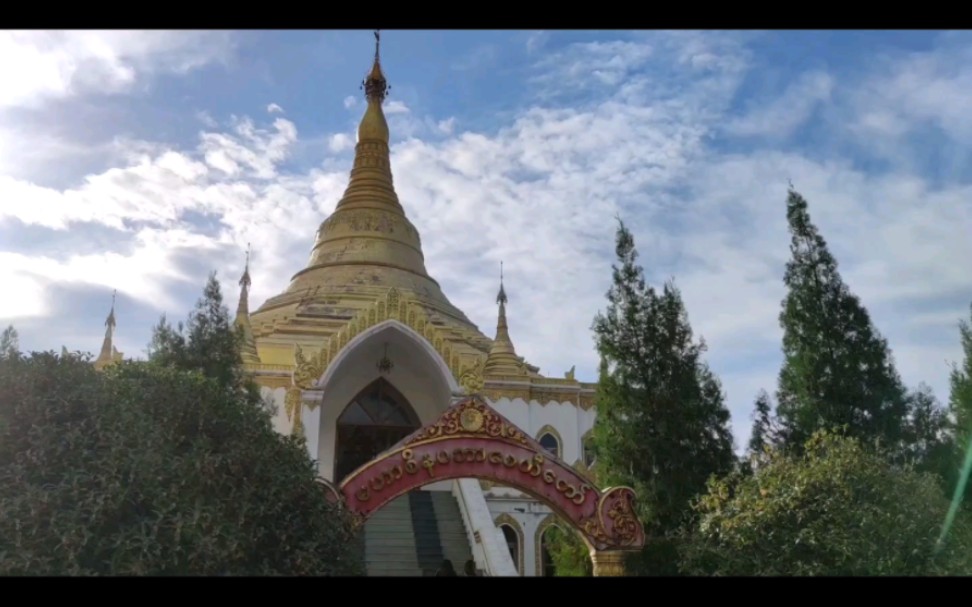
(783, 114)
(36, 66)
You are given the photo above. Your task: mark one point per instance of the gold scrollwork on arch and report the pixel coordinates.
(470, 418)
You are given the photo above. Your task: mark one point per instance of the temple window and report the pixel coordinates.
(549, 442)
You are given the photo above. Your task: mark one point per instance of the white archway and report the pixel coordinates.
(419, 373)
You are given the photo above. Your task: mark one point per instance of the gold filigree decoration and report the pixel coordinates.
(608, 563)
(293, 407)
(615, 524)
(625, 524)
(471, 377)
(473, 418)
(394, 305)
(307, 370)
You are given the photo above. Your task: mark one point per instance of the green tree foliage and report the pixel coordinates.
(835, 509)
(762, 436)
(9, 343)
(208, 342)
(838, 371)
(571, 556)
(928, 444)
(662, 426)
(960, 400)
(166, 467)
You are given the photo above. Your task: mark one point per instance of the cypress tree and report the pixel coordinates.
(662, 425)
(838, 371)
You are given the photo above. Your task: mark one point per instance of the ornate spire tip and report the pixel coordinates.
(245, 279)
(375, 86)
(501, 296)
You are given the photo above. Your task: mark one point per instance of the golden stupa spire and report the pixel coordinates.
(373, 125)
(248, 348)
(109, 353)
(368, 240)
(502, 359)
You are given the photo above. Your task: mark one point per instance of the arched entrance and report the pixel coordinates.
(471, 440)
(375, 420)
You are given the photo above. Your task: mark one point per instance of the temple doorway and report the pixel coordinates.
(376, 419)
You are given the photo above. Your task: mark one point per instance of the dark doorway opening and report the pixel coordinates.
(377, 418)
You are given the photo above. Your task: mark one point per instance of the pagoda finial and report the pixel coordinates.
(109, 354)
(245, 279)
(110, 321)
(375, 86)
(502, 358)
(249, 350)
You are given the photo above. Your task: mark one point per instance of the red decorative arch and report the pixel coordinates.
(471, 440)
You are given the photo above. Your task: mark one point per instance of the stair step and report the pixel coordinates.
(411, 535)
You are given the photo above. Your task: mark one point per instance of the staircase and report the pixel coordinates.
(412, 534)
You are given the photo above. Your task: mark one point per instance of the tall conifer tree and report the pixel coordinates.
(837, 370)
(662, 426)
(763, 434)
(208, 343)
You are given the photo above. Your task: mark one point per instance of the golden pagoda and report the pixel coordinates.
(367, 266)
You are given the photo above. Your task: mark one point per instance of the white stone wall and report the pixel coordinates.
(280, 422)
(570, 421)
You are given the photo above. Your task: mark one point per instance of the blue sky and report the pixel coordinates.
(141, 161)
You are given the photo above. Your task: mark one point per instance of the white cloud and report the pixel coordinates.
(787, 112)
(140, 274)
(340, 142)
(446, 126)
(274, 108)
(396, 107)
(536, 41)
(207, 120)
(40, 65)
(350, 101)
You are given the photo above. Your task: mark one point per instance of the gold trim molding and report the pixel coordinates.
(394, 305)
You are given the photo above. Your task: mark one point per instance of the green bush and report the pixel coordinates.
(146, 469)
(838, 509)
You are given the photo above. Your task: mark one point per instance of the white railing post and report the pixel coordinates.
(488, 547)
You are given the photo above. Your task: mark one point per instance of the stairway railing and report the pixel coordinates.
(488, 547)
